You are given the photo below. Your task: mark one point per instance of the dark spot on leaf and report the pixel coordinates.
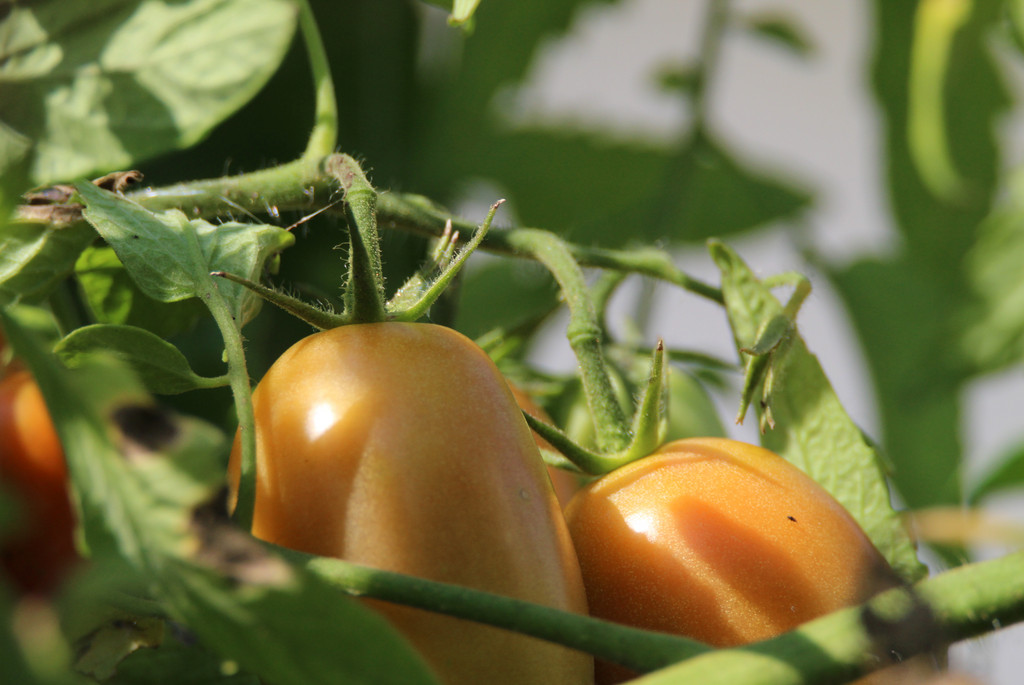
(232, 552)
(151, 427)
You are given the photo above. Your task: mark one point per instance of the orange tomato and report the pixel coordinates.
(39, 551)
(400, 446)
(565, 483)
(720, 541)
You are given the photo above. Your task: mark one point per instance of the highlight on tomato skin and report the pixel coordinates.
(39, 550)
(400, 446)
(720, 541)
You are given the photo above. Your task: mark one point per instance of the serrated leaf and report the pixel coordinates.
(101, 85)
(170, 257)
(812, 430)
(144, 479)
(159, 365)
(113, 297)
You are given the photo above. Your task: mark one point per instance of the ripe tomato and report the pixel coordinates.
(720, 541)
(400, 446)
(564, 482)
(39, 551)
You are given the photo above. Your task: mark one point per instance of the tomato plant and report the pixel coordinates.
(400, 446)
(143, 226)
(718, 540)
(564, 482)
(40, 549)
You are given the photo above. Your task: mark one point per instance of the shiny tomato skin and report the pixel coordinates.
(565, 483)
(400, 446)
(720, 541)
(41, 548)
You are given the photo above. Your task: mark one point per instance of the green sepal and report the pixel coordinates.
(318, 318)
(413, 300)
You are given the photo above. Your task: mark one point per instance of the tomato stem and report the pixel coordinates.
(584, 333)
(364, 296)
(324, 136)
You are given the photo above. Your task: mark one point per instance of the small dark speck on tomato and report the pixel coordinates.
(791, 519)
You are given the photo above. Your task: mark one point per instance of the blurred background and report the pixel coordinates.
(869, 145)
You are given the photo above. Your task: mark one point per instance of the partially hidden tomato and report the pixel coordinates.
(39, 550)
(565, 483)
(400, 446)
(720, 541)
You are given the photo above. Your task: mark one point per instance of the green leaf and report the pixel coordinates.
(174, 662)
(101, 85)
(144, 481)
(812, 430)
(113, 297)
(161, 367)
(936, 26)
(616, 193)
(691, 412)
(35, 257)
(99, 655)
(1006, 474)
(170, 257)
(14, 162)
(993, 323)
(782, 31)
(503, 292)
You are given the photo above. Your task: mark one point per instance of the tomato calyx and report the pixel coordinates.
(363, 297)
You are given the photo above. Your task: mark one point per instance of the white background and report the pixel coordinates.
(813, 118)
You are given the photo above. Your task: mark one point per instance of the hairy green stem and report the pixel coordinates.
(635, 648)
(301, 185)
(960, 604)
(364, 297)
(412, 213)
(584, 333)
(324, 136)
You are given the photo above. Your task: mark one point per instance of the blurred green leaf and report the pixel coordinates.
(101, 85)
(782, 31)
(1006, 474)
(503, 292)
(113, 298)
(691, 412)
(170, 257)
(588, 187)
(14, 163)
(898, 314)
(35, 257)
(158, 364)
(101, 653)
(812, 430)
(993, 323)
(936, 25)
(173, 662)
